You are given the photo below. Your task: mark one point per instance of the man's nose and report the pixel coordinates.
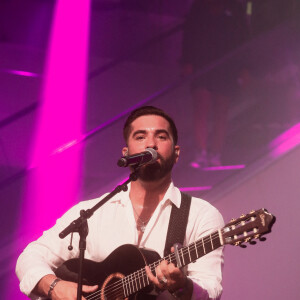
(152, 144)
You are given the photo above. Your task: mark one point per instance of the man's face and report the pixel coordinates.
(152, 131)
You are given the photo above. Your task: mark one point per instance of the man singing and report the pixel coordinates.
(139, 216)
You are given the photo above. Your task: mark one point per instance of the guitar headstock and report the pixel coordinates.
(248, 227)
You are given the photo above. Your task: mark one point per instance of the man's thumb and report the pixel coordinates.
(89, 289)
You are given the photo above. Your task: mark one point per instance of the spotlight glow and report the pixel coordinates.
(195, 188)
(53, 186)
(286, 141)
(21, 73)
(54, 169)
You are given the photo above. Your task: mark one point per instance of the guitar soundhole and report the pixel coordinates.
(112, 288)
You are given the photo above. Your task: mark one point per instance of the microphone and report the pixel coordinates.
(139, 159)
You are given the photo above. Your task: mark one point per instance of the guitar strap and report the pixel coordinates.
(177, 223)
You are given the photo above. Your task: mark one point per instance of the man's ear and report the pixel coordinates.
(125, 151)
(177, 152)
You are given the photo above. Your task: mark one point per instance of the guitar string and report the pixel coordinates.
(119, 284)
(143, 273)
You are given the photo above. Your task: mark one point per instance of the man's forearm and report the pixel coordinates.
(43, 286)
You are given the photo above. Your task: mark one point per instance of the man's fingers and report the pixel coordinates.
(155, 280)
(89, 288)
(149, 274)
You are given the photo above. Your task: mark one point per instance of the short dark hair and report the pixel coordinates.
(148, 110)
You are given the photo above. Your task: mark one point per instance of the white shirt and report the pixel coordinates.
(114, 225)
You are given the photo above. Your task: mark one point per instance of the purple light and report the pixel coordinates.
(194, 165)
(52, 185)
(123, 180)
(195, 188)
(55, 179)
(222, 168)
(217, 168)
(286, 141)
(21, 73)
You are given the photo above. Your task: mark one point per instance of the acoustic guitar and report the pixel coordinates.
(122, 274)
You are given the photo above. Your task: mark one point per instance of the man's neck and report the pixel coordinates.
(149, 194)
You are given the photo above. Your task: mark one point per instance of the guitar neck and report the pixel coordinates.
(193, 251)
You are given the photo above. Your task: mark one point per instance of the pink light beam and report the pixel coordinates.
(53, 181)
(53, 186)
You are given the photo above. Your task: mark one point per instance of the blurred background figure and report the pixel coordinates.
(212, 29)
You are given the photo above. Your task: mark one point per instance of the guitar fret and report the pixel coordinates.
(126, 287)
(212, 246)
(194, 254)
(137, 280)
(131, 284)
(183, 262)
(140, 277)
(143, 278)
(195, 245)
(208, 245)
(203, 246)
(136, 285)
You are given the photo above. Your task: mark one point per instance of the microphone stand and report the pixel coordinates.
(80, 225)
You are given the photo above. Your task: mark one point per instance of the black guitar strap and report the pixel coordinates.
(177, 223)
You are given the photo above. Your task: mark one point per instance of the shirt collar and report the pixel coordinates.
(172, 195)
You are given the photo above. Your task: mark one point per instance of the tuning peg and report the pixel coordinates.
(243, 246)
(252, 211)
(242, 216)
(262, 238)
(232, 220)
(252, 242)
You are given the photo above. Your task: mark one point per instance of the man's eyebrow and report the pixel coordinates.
(159, 131)
(140, 131)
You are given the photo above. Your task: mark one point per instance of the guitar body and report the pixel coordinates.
(123, 261)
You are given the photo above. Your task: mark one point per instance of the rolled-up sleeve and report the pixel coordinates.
(206, 272)
(44, 255)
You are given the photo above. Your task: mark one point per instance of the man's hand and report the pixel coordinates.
(168, 277)
(66, 290)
